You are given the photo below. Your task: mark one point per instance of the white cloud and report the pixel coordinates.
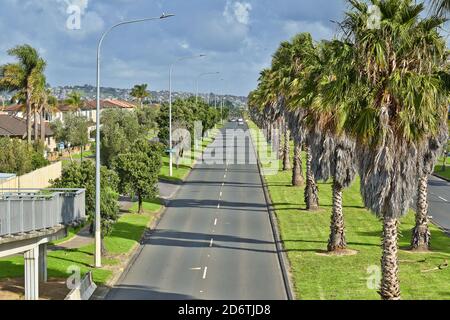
(184, 45)
(237, 12)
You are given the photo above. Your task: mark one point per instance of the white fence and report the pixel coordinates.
(38, 179)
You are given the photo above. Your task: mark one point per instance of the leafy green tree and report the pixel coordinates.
(77, 132)
(73, 131)
(82, 175)
(120, 129)
(18, 157)
(20, 77)
(139, 169)
(147, 117)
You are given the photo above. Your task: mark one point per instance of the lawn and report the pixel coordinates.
(304, 234)
(125, 236)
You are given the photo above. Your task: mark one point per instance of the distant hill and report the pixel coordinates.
(89, 92)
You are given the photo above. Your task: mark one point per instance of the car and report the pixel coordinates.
(233, 120)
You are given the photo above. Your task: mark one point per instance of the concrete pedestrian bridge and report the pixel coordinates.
(31, 218)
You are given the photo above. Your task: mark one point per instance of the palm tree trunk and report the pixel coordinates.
(36, 130)
(42, 122)
(280, 146)
(421, 235)
(297, 170)
(337, 228)
(286, 149)
(28, 112)
(390, 287)
(311, 191)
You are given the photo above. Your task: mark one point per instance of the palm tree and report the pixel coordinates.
(19, 76)
(302, 94)
(74, 101)
(400, 103)
(139, 92)
(440, 7)
(331, 146)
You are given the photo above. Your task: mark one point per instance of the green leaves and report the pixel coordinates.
(139, 169)
(83, 176)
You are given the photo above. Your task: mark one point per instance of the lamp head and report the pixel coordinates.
(164, 16)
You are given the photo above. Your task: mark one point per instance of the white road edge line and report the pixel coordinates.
(445, 200)
(204, 272)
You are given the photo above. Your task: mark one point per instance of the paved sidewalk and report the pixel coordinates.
(82, 239)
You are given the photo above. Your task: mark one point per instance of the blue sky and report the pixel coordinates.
(238, 38)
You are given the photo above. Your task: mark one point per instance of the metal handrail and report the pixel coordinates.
(30, 210)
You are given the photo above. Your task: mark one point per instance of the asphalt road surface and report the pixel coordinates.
(214, 241)
(439, 202)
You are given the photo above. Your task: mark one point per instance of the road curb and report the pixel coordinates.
(440, 177)
(282, 257)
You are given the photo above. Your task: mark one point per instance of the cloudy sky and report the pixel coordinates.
(238, 37)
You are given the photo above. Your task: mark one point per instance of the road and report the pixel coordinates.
(214, 241)
(439, 201)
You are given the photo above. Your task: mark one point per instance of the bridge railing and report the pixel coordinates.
(28, 210)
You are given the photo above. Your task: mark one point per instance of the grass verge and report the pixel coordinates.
(352, 277)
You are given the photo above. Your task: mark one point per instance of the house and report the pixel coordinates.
(16, 127)
(89, 109)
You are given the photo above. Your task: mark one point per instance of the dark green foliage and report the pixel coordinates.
(120, 129)
(83, 176)
(139, 169)
(185, 112)
(18, 157)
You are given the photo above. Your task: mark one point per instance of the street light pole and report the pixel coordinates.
(98, 254)
(198, 79)
(221, 107)
(170, 107)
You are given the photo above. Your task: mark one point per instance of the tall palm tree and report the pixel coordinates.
(332, 147)
(74, 101)
(302, 94)
(19, 76)
(139, 92)
(399, 106)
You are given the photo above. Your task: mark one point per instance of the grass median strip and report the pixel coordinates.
(305, 234)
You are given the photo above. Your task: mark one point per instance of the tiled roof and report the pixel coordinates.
(14, 108)
(104, 104)
(17, 127)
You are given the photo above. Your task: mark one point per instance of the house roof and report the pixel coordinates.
(108, 104)
(16, 127)
(13, 108)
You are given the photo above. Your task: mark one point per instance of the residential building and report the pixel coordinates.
(16, 127)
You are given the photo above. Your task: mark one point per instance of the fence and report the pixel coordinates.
(37, 179)
(33, 210)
